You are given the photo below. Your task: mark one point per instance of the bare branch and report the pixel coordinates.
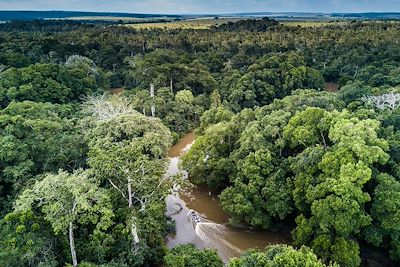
(389, 100)
(106, 107)
(116, 187)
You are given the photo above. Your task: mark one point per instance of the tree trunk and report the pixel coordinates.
(135, 236)
(72, 245)
(324, 141)
(130, 193)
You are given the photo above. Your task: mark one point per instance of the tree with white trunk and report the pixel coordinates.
(69, 201)
(128, 152)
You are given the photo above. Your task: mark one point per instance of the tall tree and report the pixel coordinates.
(69, 201)
(128, 151)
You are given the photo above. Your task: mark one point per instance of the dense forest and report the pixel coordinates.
(82, 170)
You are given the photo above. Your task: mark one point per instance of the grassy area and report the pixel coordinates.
(114, 19)
(206, 23)
(197, 24)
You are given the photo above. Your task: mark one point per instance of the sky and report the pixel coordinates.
(204, 6)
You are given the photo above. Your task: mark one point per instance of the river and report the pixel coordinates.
(213, 231)
(331, 87)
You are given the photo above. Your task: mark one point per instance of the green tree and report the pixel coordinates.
(270, 77)
(27, 240)
(309, 127)
(213, 116)
(189, 255)
(279, 256)
(166, 68)
(36, 138)
(208, 159)
(128, 153)
(337, 191)
(49, 83)
(184, 96)
(69, 201)
(385, 213)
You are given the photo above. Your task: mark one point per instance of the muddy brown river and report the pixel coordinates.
(213, 231)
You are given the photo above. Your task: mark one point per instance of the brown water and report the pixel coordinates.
(213, 231)
(117, 91)
(331, 87)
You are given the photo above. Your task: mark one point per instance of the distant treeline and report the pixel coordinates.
(33, 15)
(44, 26)
(254, 25)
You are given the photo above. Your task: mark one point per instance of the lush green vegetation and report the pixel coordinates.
(82, 172)
(189, 255)
(279, 255)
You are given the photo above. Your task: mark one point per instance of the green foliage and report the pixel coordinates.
(16, 60)
(162, 67)
(68, 202)
(128, 155)
(336, 190)
(128, 145)
(189, 255)
(180, 113)
(258, 25)
(208, 160)
(213, 116)
(36, 138)
(385, 209)
(285, 152)
(184, 97)
(27, 241)
(308, 128)
(48, 83)
(272, 76)
(279, 256)
(297, 154)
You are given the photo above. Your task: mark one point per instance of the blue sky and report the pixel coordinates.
(204, 6)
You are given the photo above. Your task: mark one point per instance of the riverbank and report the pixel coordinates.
(214, 231)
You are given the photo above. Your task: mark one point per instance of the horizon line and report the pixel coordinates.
(208, 14)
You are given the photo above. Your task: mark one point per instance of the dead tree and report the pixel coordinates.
(390, 101)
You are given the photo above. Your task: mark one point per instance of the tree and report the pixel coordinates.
(279, 256)
(69, 201)
(180, 113)
(49, 83)
(27, 240)
(128, 152)
(208, 159)
(36, 138)
(213, 116)
(270, 77)
(163, 68)
(189, 255)
(184, 96)
(385, 212)
(259, 194)
(309, 127)
(83, 63)
(389, 100)
(336, 191)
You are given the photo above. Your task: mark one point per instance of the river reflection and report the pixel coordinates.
(213, 232)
